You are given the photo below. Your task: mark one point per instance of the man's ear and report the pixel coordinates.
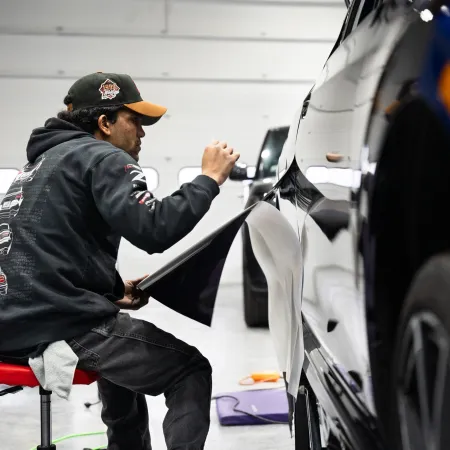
(104, 125)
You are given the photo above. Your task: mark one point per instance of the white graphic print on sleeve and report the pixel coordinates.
(3, 283)
(6, 238)
(28, 172)
(139, 177)
(10, 205)
(144, 196)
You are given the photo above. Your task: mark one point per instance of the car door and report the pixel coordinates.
(327, 153)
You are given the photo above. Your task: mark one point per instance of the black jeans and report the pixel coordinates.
(135, 358)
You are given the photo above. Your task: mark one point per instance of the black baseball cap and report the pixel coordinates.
(111, 89)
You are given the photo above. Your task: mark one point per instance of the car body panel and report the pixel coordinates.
(335, 123)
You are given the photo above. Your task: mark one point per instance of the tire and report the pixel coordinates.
(256, 305)
(307, 424)
(424, 323)
(256, 302)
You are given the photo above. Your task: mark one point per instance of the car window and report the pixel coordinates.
(270, 152)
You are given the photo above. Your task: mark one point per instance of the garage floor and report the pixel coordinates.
(233, 350)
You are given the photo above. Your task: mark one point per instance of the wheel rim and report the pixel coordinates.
(423, 384)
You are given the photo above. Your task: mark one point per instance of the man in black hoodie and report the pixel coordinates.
(81, 191)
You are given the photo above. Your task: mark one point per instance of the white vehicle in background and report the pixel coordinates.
(10, 204)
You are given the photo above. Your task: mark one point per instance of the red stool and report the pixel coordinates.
(19, 376)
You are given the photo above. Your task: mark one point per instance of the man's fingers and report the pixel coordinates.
(236, 156)
(220, 144)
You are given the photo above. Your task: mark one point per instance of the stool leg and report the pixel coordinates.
(46, 420)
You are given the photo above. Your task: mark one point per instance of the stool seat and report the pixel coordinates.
(15, 375)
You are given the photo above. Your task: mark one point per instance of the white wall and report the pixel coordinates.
(225, 70)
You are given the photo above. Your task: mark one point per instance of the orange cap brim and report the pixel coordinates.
(151, 112)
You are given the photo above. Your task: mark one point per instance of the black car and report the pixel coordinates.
(254, 281)
(365, 181)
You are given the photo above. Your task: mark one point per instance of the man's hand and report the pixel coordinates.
(134, 298)
(218, 160)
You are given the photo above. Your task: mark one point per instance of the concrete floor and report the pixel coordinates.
(233, 350)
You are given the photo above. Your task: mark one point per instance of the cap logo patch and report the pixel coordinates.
(109, 89)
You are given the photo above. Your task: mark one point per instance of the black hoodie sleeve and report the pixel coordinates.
(120, 192)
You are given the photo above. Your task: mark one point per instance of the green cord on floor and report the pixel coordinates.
(70, 436)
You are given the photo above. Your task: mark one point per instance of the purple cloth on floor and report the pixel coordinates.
(270, 404)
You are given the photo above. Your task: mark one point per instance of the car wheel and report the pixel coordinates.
(307, 423)
(256, 303)
(422, 362)
(256, 311)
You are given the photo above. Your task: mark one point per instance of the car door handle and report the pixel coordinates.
(334, 157)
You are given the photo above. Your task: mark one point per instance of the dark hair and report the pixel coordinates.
(87, 119)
